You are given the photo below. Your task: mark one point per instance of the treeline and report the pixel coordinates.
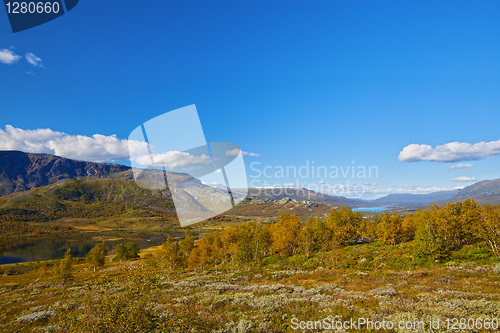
(10, 229)
(436, 233)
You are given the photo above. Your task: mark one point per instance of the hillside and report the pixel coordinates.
(414, 199)
(483, 191)
(302, 194)
(90, 199)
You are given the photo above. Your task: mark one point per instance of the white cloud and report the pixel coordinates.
(8, 56)
(33, 60)
(96, 148)
(236, 151)
(250, 154)
(450, 152)
(460, 166)
(172, 160)
(464, 179)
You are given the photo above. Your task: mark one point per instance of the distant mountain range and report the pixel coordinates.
(302, 194)
(413, 199)
(21, 172)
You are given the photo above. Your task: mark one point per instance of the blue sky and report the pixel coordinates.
(293, 81)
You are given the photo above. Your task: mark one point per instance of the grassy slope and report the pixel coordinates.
(371, 280)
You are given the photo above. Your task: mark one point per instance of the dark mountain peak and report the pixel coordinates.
(21, 171)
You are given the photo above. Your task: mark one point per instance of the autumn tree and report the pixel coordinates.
(171, 254)
(214, 239)
(368, 228)
(488, 229)
(229, 239)
(187, 243)
(245, 244)
(64, 270)
(119, 252)
(128, 251)
(131, 250)
(200, 256)
(464, 216)
(441, 230)
(314, 236)
(432, 235)
(390, 229)
(97, 256)
(408, 227)
(253, 243)
(264, 240)
(342, 226)
(285, 234)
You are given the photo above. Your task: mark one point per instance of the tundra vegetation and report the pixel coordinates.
(439, 263)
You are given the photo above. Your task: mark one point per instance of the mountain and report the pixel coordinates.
(104, 198)
(21, 171)
(301, 194)
(486, 191)
(483, 191)
(37, 183)
(414, 199)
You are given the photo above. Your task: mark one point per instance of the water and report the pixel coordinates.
(54, 246)
(370, 209)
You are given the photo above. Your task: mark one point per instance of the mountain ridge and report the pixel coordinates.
(414, 199)
(21, 171)
(484, 191)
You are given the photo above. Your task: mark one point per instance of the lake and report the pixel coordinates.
(370, 209)
(54, 246)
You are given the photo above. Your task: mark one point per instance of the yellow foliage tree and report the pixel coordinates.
(64, 270)
(285, 234)
(390, 229)
(200, 257)
(342, 225)
(314, 236)
(171, 254)
(488, 229)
